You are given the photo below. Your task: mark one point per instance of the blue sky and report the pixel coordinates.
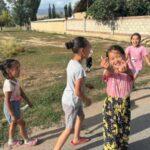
(58, 3)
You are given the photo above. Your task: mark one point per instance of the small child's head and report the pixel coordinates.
(135, 39)
(116, 55)
(80, 46)
(10, 68)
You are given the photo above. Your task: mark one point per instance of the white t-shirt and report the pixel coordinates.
(75, 72)
(14, 87)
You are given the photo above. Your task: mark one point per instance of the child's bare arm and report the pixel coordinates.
(25, 97)
(127, 57)
(78, 91)
(147, 59)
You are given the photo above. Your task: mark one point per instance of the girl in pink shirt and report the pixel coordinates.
(116, 109)
(136, 53)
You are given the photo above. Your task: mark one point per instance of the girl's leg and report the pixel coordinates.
(110, 131)
(126, 125)
(77, 128)
(62, 139)
(11, 131)
(69, 120)
(23, 132)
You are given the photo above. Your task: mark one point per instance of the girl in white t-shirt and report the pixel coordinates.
(73, 95)
(13, 94)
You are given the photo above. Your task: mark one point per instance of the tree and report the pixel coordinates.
(34, 5)
(1, 22)
(19, 13)
(138, 7)
(31, 6)
(2, 6)
(53, 11)
(66, 11)
(82, 5)
(49, 12)
(69, 10)
(107, 11)
(5, 18)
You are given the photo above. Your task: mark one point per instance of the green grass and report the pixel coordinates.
(38, 57)
(26, 35)
(10, 48)
(47, 106)
(96, 93)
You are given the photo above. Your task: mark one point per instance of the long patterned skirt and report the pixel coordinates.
(116, 123)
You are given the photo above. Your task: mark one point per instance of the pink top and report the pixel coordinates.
(136, 54)
(119, 85)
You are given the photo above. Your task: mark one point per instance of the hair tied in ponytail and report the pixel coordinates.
(69, 45)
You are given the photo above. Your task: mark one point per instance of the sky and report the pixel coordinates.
(58, 3)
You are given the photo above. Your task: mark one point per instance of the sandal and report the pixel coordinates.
(82, 140)
(16, 143)
(32, 142)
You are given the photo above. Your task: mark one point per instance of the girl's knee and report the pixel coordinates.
(12, 125)
(68, 130)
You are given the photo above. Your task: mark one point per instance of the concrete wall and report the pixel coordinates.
(80, 26)
(54, 26)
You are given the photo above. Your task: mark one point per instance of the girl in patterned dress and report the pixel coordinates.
(116, 109)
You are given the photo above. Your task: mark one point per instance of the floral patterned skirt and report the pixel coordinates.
(116, 123)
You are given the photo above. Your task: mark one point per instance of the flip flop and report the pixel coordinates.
(16, 143)
(82, 140)
(32, 142)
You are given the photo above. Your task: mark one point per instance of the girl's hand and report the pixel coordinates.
(30, 104)
(123, 67)
(104, 63)
(88, 102)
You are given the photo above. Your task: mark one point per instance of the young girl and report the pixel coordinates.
(73, 95)
(13, 93)
(136, 53)
(116, 110)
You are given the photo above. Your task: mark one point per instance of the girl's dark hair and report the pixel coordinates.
(77, 43)
(6, 65)
(115, 48)
(136, 34)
